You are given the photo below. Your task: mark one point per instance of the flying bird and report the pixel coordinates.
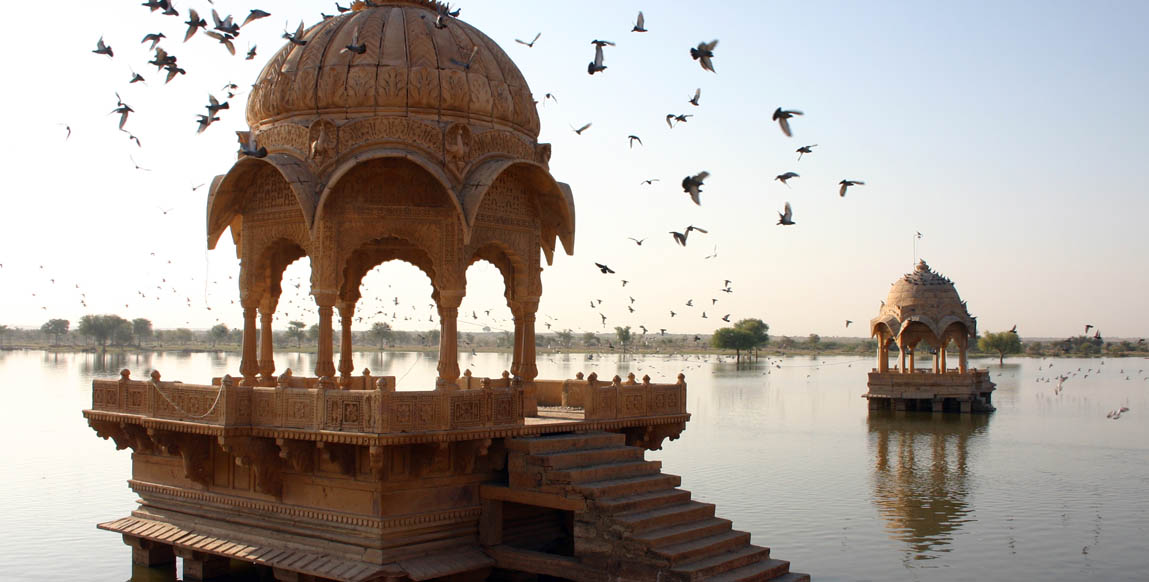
(848, 322)
(155, 39)
(636, 241)
(204, 121)
(726, 318)
(136, 78)
(355, 46)
(693, 185)
(640, 23)
(550, 96)
(296, 38)
(808, 149)
(103, 49)
(781, 116)
(787, 176)
(255, 14)
(224, 39)
(1013, 330)
(470, 59)
(604, 269)
(703, 54)
(225, 25)
(633, 138)
(697, 94)
(250, 53)
(676, 119)
(194, 23)
(530, 44)
(847, 183)
(1088, 327)
(596, 65)
(649, 182)
(786, 217)
(123, 109)
(581, 129)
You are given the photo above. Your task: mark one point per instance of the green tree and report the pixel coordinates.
(382, 333)
(102, 328)
(218, 332)
(732, 338)
(295, 331)
(141, 329)
(757, 330)
(1002, 342)
(3, 332)
(589, 339)
(814, 341)
(566, 338)
(56, 328)
(313, 332)
(623, 335)
(183, 336)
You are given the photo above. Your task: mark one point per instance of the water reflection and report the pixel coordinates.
(921, 476)
(102, 364)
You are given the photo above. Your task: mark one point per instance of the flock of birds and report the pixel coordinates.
(1059, 378)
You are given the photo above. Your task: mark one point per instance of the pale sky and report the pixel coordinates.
(1011, 134)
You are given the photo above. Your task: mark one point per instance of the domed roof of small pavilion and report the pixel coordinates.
(409, 68)
(926, 297)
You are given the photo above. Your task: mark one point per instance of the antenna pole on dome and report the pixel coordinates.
(917, 235)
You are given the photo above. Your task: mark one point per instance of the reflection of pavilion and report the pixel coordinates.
(921, 474)
(397, 152)
(924, 306)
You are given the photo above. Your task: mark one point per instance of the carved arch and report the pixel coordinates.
(514, 268)
(373, 253)
(556, 203)
(228, 192)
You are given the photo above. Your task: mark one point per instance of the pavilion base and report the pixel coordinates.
(922, 391)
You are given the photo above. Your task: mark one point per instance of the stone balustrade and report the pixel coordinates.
(631, 399)
(381, 410)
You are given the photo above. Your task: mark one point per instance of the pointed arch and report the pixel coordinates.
(229, 191)
(555, 200)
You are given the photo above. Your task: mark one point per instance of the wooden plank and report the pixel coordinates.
(550, 500)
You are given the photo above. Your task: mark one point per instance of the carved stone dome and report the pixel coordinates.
(409, 68)
(924, 296)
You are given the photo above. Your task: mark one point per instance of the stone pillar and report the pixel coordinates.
(942, 358)
(912, 350)
(324, 362)
(449, 337)
(346, 366)
(901, 356)
(883, 353)
(267, 339)
(517, 349)
(528, 369)
(148, 553)
(962, 365)
(201, 566)
(249, 362)
(937, 363)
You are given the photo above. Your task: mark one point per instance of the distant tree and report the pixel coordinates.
(433, 337)
(183, 336)
(565, 338)
(3, 332)
(295, 331)
(217, 333)
(623, 335)
(141, 329)
(1002, 342)
(732, 338)
(589, 339)
(814, 340)
(56, 328)
(381, 332)
(122, 335)
(504, 340)
(313, 332)
(102, 328)
(757, 330)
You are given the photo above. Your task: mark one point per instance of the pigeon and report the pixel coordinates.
(250, 149)
(355, 46)
(782, 116)
(296, 38)
(1013, 330)
(636, 241)
(596, 65)
(640, 23)
(726, 318)
(703, 54)
(103, 49)
(649, 182)
(680, 237)
(226, 25)
(204, 122)
(250, 53)
(550, 96)
(676, 119)
(693, 185)
(581, 129)
(808, 149)
(123, 109)
(223, 38)
(530, 44)
(784, 177)
(255, 14)
(694, 100)
(786, 217)
(605, 270)
(846, 184)
(194, 23)
(467, 65)
(633, 138)
(155, 39)
(136, 78)
(848, 322)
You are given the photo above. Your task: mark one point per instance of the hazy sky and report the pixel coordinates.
(1011, 134)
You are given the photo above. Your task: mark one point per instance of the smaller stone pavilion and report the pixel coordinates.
(925, 306)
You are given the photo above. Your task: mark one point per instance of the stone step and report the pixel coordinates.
(765, 570)
(703, 547)
(586, 457)
(630, 486)
(643, 501)
(605, 472)
(685, 532)
(691, 511)
(566, 441)
(713, 565)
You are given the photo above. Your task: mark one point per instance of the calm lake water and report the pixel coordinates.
(1046, 488)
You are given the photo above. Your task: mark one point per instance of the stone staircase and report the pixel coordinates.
(637, 522)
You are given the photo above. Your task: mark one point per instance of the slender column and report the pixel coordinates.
(249, 364)
(449, 337)
(963, 366)
(346, 366)
(528, 369)
(883, 354)
(267, 338)
(901, 356)
(942, 357)
(517, 350)
(324, 363)
(912, 350)
(937, 363)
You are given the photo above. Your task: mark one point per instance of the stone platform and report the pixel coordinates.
(924, 390)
